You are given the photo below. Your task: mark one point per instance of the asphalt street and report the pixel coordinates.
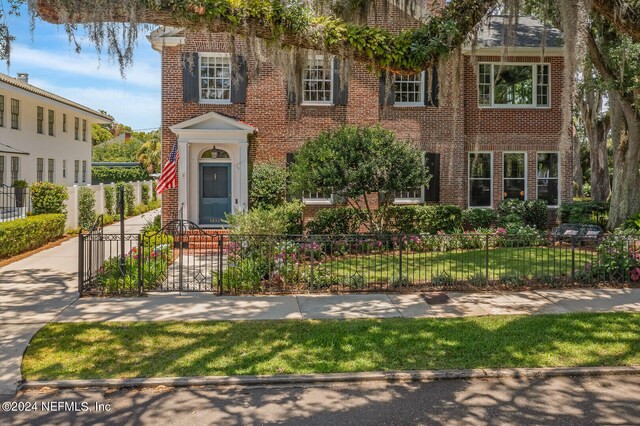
(563, 400)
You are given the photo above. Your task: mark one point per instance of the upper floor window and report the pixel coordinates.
(15, 114)
(317, 82)
(480, 179)
(215, 78)
(40, 120)
(409, 90)
(51, 122)
(64, 123)
(1, 111)
(76, 128)
(513, 85)
(84, 130)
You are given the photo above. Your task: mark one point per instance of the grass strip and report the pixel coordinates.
(155, 349)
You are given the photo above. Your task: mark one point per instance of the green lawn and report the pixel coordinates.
(120, 350)
(529, 262)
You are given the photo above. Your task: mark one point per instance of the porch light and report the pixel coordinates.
(214, 152)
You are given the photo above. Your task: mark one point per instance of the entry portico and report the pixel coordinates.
(213, 171)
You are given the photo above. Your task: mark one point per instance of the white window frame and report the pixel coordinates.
(39, 169)
(76, 171)
(411, 104)
(304, 80)
(526, 172)
(408, 200)
(84, 171)
(14, 172)
(51, 170)
(64, 169)
(469, 178)
(534, 76)
(213, 55)
(15, 114)
(318, 201)
(559, 178)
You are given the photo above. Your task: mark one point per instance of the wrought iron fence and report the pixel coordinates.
(183, 257)
(15, 203)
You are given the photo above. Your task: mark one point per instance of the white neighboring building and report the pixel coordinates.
(43, 136)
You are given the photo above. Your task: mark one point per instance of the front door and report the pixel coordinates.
(215, 193)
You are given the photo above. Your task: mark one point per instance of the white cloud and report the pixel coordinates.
(87, 64)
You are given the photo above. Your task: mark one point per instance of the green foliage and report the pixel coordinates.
(103, 174)
(511, 206)
(335, 221)
(443, 279)
(20, 183)
(531, 212)
(477, 280)
(117, 151)
(267, 185)
(99, 135)
(422, 219)
(354, 163)
(20, 235)
(512, 279)
(144, 193)
(245, 275)
(143, 208)
(632, 222)
(129, 198)
(110, 199)
(585, 212)
(445, 218)
(86, 208)
(149, 154)
(281, 220)
(478, 218)
(48, 198)
(154, 194)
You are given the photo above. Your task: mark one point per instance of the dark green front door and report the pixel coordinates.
(215, 193)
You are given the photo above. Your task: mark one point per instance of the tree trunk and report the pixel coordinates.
(625, 194)
(578, 181)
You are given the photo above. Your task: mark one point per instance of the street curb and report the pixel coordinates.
(310, 379)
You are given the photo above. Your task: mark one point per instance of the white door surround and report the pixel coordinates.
(199, 135)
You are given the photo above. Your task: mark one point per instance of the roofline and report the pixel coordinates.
(4, 78)
(243, 127)
(514, 51)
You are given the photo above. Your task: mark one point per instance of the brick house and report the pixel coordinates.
(497, 137)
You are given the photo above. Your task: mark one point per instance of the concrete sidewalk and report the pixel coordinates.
(33, 291)
(207, 306)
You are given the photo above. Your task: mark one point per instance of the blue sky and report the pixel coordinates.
(88, 78)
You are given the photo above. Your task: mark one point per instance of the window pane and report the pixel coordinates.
(547, 173)
(548, 165)
(514, 165)
(480, 193)
(409, 89)
(548, 191)
(215, 78)
(543, 85)
(514, 188)
(484, 84)
(317, 82)
(480, 165)
(513, 84)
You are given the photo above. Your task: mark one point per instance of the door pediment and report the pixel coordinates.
(212, 126)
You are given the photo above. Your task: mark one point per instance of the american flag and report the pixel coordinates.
(169, 175)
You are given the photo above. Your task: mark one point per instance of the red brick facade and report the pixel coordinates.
(450, 130)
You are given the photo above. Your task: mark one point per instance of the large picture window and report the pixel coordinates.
(215, 78)
(409, 90)
(548, 167)
(513, 85)
(515, 175)
(480, 179)
(317, 81)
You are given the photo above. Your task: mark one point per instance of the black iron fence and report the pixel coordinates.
(183, 257)
(15, 203)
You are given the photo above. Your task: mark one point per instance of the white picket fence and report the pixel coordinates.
(98, 190)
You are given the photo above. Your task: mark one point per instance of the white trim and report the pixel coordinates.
(422, 93)
(405, 201)
(513, 51)
(534, 76)
(558, 178)
(330, 102)
(526, 174)
(184, 126)
(490, 206)
(318, 201)
(213, 55)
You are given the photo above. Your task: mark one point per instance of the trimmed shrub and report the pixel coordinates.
(154, 194)
(510, 207)
(585, 212)
(103, 174)
(517, 212)
(268, 185)
(48, 198)
(129, 199)
(536, 213)
(285, 219)
(478, 218)
(29, 233)
(110, 199)
(403, 219)
(86, 208)
(445, 218)
(144, 193)
(335, 221)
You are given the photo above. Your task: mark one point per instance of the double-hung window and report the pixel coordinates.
(76, 129)
(548, 172)
(317, 197)
(1, 170)
(513, 85)
(64, 169)
(40, 122)
(215, 78)
(84, 130)
(515, 175)
(76, 171)
(84, 171)
(51, 122)
(64, 123)
(15, 169)
(317, 81)
(15, 114)
(50, 169)
(409, 90)
(39, 169)
(1, 110)
(480, 179)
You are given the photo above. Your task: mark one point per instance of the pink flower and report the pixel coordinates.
(635, 274)
(501, 231)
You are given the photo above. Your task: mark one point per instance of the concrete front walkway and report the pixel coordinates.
(33, 291)
(207, 306)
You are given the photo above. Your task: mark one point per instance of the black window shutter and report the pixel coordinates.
(432, 193)
(290, 161)
(239, 82)
(190, 77)
(388, 99)
(340, 91)
(433, 84)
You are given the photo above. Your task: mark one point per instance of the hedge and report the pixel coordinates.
(103, 174)
(29, 233)
(48, 198)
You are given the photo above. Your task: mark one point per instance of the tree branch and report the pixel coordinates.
(623, 16)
